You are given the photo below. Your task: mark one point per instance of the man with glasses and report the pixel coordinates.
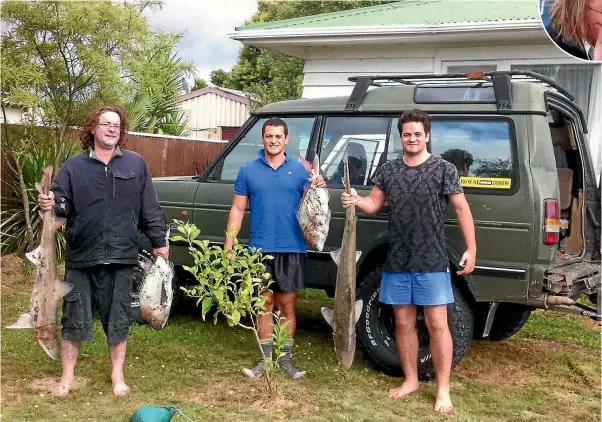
(105, 193)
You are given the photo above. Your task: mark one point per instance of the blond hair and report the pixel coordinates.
(569, 20)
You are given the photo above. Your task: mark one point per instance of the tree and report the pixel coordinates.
(270, 75)
(218, 77)
(199, 84)
(61, 58)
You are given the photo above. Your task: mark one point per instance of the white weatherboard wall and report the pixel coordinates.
(209, 111)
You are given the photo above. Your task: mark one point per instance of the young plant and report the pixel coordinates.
(232, 281)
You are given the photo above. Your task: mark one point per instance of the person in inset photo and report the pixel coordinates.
(575, 26)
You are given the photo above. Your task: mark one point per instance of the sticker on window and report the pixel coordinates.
(486, 182)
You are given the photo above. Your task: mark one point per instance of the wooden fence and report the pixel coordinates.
(165, 156)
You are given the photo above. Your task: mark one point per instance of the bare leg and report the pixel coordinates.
(117, 351)
(442, 348)
(69, 354)
(286, 305)
(407, 347)
(265, 321)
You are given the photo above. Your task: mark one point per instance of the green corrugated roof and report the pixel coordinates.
(414, 12)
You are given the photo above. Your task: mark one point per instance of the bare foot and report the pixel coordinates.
(443, 402)
(63, 388)
(406, 388)
(120, 389)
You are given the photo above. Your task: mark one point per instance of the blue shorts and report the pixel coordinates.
(416, 288)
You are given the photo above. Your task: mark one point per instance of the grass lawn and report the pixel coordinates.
(549, 371)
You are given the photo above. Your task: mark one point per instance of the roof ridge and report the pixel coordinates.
(328, 15)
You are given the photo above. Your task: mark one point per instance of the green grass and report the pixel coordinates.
(549, 371)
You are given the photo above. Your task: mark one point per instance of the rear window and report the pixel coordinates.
(481, 150)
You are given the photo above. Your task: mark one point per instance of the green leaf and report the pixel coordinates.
(206, 306)
(178, 239)
(236, 317)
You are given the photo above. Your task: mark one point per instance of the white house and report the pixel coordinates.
(429, 36)
(14, 115)
(215, 112)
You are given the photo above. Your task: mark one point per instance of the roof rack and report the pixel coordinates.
(499, 79)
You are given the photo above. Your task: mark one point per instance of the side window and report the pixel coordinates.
(363, 137)
(481, 150)
(299, 129)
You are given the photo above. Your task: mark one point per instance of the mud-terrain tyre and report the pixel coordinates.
(376, 331)
(509, 319)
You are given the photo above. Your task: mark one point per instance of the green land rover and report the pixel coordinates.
(519, 143)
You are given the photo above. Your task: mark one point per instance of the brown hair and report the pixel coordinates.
(87, 138)
(569, 20)
(415, 115)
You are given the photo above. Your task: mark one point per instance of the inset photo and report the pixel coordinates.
(575, 26)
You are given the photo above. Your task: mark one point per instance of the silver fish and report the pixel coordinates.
(48, 288)
(346, 309)
(313, 214)
(156, 293)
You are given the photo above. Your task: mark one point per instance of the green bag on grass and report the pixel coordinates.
(154, 414)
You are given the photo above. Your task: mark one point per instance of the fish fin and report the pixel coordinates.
(336, 256)
(39, 187)
(328, 315)
(357, 256)
(65, 287)
(24, 321)
(58, 222)
(34, 256)
(359, 304)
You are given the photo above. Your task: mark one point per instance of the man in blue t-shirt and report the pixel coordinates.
(274, 184)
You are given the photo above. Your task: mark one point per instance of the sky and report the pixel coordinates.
(205, 24)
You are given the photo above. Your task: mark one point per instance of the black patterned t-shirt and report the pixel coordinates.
(417, 200)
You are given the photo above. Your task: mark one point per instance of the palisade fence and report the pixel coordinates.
(165, 155)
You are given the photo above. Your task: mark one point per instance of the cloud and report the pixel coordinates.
(205, 24)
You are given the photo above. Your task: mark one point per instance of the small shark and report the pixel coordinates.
(346, 309)
(48, 288)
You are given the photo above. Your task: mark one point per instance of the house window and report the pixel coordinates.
(299, 129)
(363, 137)
(480, 149)
(577, 79)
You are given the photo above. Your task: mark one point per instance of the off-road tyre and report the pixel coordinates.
(376, 331)
(509, 319)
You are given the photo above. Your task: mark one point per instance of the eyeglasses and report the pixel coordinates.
(109, 125)
(597, 11)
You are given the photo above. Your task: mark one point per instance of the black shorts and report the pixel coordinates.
(287, 271)
(103, 288)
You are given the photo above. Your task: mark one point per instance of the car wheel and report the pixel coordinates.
(376, 331)
(509, 319)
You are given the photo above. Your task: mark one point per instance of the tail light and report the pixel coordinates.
(551, 225)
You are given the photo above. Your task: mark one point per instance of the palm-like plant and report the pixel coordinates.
(154, 108)
(13, 227)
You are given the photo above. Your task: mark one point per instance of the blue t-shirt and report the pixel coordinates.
(274, 196)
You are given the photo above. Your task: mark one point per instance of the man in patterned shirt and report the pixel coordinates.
(418, 187)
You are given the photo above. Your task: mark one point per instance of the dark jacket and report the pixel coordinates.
(104, 206)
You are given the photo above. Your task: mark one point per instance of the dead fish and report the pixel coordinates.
(156, 294)
(313, 213)
(48, 288)
(346, 309)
